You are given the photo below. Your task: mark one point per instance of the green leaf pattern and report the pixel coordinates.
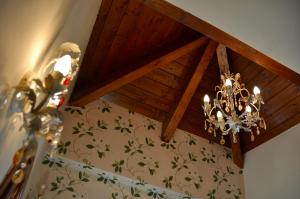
(106, 136)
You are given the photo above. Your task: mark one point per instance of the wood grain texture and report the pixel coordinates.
(176, 115)
(222, 59)
(237, 154)
(287, 117)
(141, 71)
(106, 27)
(218, 35)
(135, 105)
(129, 34)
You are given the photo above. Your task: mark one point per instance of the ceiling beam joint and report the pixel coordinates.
(170, 126)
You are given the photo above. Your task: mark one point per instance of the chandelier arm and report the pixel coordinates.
(226, 132)
(219, 107)
(257, 109)
(246, 129)
(244, 89)
(217, 95)
(214, 107)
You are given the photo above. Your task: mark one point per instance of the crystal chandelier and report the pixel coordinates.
(234, 109)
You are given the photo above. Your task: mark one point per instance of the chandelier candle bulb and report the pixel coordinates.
(206, 98)
(256, 90)
(228, 83)
(248, 109)
(206, 101)
(219, 116)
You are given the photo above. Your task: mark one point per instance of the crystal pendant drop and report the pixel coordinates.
(240, 107)
(252, 137)
(257, 131)
(261, 125)
(227, 109)
(215, 135)
(222, 141)
(205, 126)
(210, 129)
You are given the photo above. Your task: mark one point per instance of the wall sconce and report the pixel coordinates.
(37, 101)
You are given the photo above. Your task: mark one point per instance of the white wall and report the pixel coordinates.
(271, 27)
(30, 30)
(272, 170)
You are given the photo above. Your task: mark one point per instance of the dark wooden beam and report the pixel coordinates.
(218, 35)
(237, 155)
(222, 59)
(176, 115)
(140, 72)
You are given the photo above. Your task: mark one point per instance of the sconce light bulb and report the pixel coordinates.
(219, 115)
(63, 65)
(19, 96)
(206, 98)
(55, 141)
(256, 90)
(43, 118)
(248, 109)
(228, 82)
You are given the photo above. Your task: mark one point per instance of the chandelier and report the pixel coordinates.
(234, 109)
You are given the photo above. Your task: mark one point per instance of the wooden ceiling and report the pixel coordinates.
(150, 57)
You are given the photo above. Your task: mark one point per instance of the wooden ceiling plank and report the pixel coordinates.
(187, 59)
(155, 88)
(135, 105)
(291, 108)
(93, 41)
(166, 78)
(220, 36)
(261, 80)
(126, 28)
(237, 155)
(144, 97)
(141, 71)
(278, 122)
(110, 30)
(281, 99)
(176, 69)
(176, 115)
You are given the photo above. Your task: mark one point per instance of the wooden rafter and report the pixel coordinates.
(179, 110)
(218, 35)
(224, 68)
(141, 71)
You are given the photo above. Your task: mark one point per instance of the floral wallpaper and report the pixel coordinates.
(112, 152)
